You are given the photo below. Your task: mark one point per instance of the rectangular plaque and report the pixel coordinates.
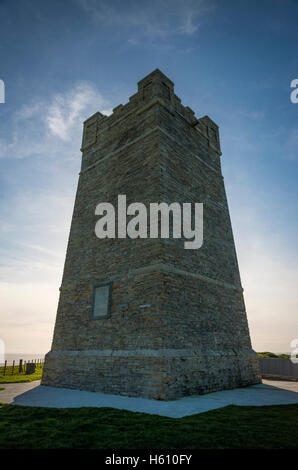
(101, 300)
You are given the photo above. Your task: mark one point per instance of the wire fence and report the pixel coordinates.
(21, 367)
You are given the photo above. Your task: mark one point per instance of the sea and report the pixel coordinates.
(10, 357)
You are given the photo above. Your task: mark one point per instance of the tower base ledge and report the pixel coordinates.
(162, 374)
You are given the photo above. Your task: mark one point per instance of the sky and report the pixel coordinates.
(61, 61)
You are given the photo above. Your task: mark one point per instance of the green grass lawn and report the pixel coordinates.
(232, 427)
(16, 377)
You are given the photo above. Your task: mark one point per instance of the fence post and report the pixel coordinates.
(12, 367)
(21, 366)
(5, 364)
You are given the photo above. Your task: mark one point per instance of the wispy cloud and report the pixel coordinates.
(35, 215)
(155, 19)
(66, 112)
(41, 158)
(44, 127)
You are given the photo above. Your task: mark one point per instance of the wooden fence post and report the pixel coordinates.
(5, 364)
(12, 367)
(21, 366)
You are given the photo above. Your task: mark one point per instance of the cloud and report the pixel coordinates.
(188, 25)
(40, 161)
(35, 213)
(47, 127)
(155, 19)
(35, 224)
(66, 111)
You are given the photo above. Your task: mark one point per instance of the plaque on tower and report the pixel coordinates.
(101, 300)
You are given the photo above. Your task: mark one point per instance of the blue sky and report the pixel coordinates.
(63, 60)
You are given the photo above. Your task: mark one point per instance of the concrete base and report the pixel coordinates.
(267, 393)
(164, 374)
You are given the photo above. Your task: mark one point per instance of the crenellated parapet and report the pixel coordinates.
(153, 89)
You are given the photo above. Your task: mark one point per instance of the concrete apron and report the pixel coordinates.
(267, 393)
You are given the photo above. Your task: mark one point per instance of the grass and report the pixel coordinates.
(2, 388)
(18, 378)
(232, 427)
(268, 354)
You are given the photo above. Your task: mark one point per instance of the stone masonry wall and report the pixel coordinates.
(178, 323)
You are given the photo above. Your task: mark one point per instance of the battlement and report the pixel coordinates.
(155, 87)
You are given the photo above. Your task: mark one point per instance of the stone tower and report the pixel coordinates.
(145, 316)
